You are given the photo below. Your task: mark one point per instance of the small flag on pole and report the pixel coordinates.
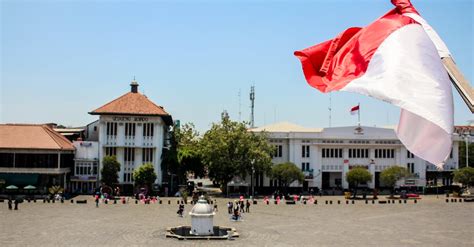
(355, 110)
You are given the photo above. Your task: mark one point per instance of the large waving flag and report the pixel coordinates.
(395, 59)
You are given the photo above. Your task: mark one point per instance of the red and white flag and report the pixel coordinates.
(395, 59)
(355, 110)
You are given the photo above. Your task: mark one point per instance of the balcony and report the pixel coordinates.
(129, 141)
(111, 140)
(148, 141)
(331, 168)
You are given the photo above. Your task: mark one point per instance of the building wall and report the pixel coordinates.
(347, 138)
(138, 142)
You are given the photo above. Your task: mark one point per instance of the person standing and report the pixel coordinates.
(16, 204)
(96, 201)
(247, 206)
(10, 204)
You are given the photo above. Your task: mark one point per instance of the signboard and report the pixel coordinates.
(130, 119)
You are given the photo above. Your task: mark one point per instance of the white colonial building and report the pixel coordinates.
(132, 128)
(325, 155)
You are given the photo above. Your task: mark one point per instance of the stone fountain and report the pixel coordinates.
(202, 225)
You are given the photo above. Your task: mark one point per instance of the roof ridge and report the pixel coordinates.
(153, 103)
(112, 101)
(57, 138)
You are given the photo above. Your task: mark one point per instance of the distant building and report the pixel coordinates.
(34, 155)
(85, 176)
(134, 129)
(325, 155)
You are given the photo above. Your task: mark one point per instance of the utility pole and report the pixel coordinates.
(252, 106)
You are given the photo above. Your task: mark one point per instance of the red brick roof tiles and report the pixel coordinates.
(32, 136)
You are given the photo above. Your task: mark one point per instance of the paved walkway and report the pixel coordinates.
(430, 222)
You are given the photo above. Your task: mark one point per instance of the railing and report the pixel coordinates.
(129, 140)
(148, 141)
(111, 140)
(331, 168)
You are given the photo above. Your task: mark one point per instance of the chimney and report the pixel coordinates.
(134, 86)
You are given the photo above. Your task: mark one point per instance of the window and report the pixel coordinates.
(411, 167)
(305, 166)
(385, 153)
(130, 129)
(305, 151)
(410, 155)
(86, 169)
(148, 129)
(278, 151)
(147, 155)
(110, 151)
(111, 129)
(358, 153)
(331, 152)
(129, 154)
(127, 177)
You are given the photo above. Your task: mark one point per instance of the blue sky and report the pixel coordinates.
(62, 59)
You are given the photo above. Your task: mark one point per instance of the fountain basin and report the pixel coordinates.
(184, 232)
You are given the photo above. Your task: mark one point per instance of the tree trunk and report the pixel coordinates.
(355, 191)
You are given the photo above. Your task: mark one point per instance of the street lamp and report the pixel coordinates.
(466, 139)
(251, 178)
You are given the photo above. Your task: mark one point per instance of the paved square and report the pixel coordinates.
(430, 222)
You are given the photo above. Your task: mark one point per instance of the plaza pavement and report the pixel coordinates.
(430, 222)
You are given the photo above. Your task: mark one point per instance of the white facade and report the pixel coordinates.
(326, 155)
(134, 148)
(85, 174)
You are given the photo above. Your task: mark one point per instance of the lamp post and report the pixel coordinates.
(251, 178)
(466, 139)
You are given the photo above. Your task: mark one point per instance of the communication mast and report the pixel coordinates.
(252, 106)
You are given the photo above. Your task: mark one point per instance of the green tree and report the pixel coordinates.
(145, 175)
(229, 149)
(465, 176)
(287, 173)
(391, 175)
(188, 151)
(357, 176)
(109, 171)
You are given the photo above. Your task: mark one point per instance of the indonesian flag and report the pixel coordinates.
(395, 59)
(355, 110)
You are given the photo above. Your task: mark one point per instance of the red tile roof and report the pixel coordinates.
(32, 136)
(131, 104)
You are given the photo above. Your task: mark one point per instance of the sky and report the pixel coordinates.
(60, 60)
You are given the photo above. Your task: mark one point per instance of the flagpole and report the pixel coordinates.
(358, 112)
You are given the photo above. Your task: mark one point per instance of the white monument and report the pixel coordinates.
(202, 216)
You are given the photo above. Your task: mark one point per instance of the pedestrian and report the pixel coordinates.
(10, 204)
(97, 201)
(229, 207)
(16, 204)
(247, 207)
(215, 206)
(241, 206)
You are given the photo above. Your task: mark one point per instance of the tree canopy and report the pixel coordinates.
(228, 149)
(144, 175)
(358, 175)
(287, 173)
(465, 176)
(109, 171)
(391, 175)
